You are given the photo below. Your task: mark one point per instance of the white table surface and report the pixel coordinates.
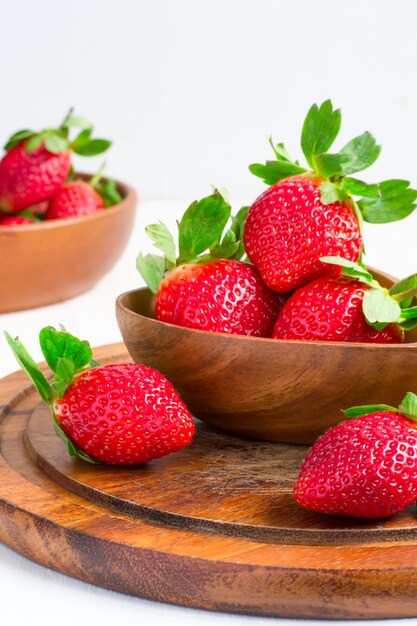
(51, 598)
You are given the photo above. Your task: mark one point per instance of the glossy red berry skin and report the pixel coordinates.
(288, 229)
(16, 220)
(365, 467)
(74, 200)
(28, 178)
(330, 309)
(224, 296)
(124, 414)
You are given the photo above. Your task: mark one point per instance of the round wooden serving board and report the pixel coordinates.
(214, 526)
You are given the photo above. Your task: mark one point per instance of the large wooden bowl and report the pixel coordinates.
(54, 260)
(288, 391)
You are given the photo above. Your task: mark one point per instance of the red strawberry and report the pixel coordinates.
(339, 309)
(74, 200)
(36, 165)
(330, 310)
(365, 467)
(16, 220)
(288, 229)
(122, 414)
(226, 296)
(27, 178)
(309, 214)
(207, 287)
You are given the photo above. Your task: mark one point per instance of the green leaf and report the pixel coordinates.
(329, 193)
(328, 165)
(31, 368)
(380, 308)
(152, 268)
(280, 151)
(75, 121)
(408, 405)
(405, 290)
(64, 375)
(109, 192)
(71, 447)
(34, 142)
(361, 152)
(16, 138)
(395, 200)
(82, 139)
(57, 344)
(273, 171)
(238, 227)
(56, 144)
(356, 187)
(366, 409)
(92, 147)
(227, 248)
(163, 240)
(202, 225)
(351, 269)
(320, 129)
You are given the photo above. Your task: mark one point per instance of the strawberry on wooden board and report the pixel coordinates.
(121, 414)
(78, 198)
(351, 308)
(310, 213)
(207, 287)
(36, 164)
(364, 467)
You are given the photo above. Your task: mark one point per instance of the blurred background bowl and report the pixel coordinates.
(54, 260)
(289, 391)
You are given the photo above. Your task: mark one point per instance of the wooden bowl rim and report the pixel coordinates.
(129, 196)
(121, 304)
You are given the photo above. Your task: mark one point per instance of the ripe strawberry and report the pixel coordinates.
(288, 229)
(17, 220)
(121, 414)
(225, 296)
(27, 178)
(309, 214)
(364, 467)
(36, 165)
(79, 198)
(342, 309)
(207, 287)
(74, 200)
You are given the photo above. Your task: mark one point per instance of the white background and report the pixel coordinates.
(190, 91)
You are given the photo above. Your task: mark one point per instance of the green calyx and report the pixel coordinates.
(206, 232)
(66, 356)
(377, 203)
(57, 140)
(382, 306)
(107, 188)
(407, 407)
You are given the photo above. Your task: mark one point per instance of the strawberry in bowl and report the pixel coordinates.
(51, 218)
(317, 211)
(207, 286)
(353, 307)
(37, 164)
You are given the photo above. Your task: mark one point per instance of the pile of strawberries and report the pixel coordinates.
(288, 267)
(37, 181)
(302, 276)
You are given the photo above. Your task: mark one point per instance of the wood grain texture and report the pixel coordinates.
(78, 250)
(202, 567)
(276, 390)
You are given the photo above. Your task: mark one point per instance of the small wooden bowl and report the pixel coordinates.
(289, 391)
(54, 260)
